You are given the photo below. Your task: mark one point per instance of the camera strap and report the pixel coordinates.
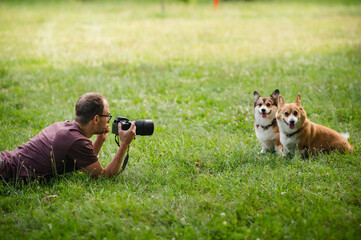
(126, 157)
(125, 162)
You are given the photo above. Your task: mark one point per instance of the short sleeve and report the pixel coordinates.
(82, 153)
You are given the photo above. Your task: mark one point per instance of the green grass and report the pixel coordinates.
(193, 71)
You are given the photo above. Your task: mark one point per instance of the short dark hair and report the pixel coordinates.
(87, 106)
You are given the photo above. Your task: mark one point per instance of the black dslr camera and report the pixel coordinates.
(144, 127)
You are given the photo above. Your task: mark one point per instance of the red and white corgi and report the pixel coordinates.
(265, 125)
(297, 132)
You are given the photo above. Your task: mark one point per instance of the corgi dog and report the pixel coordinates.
(297, 132)
(265, 125)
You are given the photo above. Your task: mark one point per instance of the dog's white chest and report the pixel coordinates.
(290, 143)
(265, 135)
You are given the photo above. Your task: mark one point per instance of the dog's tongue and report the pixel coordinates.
(264, 115)
(292, 126)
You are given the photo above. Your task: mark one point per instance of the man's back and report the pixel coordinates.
(59, 148)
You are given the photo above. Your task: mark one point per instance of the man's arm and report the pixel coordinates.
(126, 137)
(100, 139)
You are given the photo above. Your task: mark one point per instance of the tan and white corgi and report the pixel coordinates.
(297, 132)
(265, 125)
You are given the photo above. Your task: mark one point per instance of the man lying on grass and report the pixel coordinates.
(65, 146)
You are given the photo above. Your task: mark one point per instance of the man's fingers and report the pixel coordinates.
(132, 126)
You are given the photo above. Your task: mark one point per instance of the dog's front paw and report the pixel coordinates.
(285, 153)
(279, 150)
(280, 153)
(263, 151)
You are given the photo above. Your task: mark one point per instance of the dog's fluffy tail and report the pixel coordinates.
(346, 135)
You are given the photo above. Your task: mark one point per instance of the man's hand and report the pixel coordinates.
(100, 139)
(127, 136)
(103, 136)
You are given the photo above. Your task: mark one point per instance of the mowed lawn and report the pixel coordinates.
(193, 71)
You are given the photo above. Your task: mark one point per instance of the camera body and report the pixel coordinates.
(145, 127)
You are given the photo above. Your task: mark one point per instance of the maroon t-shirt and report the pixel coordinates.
(59, 148)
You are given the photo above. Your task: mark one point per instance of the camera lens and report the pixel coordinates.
(144, 127)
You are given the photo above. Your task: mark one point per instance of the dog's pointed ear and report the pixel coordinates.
(256, 95)
(281, 101)
(298, 100)
(275, 94)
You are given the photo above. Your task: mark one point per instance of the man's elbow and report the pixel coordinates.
(94, 173)
(102, 173)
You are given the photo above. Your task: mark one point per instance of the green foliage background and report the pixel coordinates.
(193, 71)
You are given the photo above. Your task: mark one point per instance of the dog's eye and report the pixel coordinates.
(295, 113)
(268, 104)
(286, 113)
(260, 104)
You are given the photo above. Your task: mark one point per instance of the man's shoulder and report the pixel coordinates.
(66, 126)
(66, 131)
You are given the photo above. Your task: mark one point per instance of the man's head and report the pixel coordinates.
(89, 106)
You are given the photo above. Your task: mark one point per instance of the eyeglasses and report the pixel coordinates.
(108, 116)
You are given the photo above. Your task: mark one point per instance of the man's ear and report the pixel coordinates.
(95, 119)
(298, 100)
(281, 101)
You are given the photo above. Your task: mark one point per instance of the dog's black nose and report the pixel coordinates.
(292, 122)
(263, 110)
